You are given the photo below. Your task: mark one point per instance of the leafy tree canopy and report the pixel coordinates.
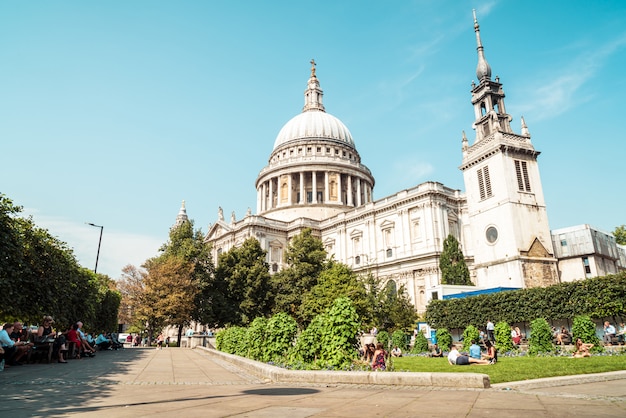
(452, 263)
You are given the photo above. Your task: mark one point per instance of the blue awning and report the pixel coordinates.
(478, 292)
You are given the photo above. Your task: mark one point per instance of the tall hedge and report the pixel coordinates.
(598, 297)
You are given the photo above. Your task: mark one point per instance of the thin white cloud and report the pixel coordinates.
(411, 170)
(562, 93)
(116, 250)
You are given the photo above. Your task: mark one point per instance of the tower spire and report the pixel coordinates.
(483, 70)
(182, 217)
(313, 94)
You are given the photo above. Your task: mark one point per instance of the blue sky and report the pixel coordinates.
(114, 112)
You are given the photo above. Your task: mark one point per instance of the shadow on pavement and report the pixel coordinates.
(49, 389)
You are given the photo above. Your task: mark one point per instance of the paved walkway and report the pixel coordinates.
(178, 382)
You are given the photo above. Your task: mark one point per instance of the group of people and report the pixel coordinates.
(18, 342)
(475, 355)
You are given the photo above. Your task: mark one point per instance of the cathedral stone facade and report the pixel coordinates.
(315, 179)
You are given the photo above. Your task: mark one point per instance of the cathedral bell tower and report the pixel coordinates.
(507, 212)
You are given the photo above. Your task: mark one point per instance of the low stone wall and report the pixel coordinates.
(277, 374)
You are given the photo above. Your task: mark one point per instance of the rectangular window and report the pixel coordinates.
(523, 180)
(484, 183)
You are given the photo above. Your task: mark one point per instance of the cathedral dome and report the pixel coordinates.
(314, 124)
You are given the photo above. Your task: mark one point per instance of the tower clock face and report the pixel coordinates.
(491, 234)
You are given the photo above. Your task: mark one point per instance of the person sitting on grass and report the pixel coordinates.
(396, 352)
(436, 351)
(378, 363)
(474, 350)
(457, 359)
(492, 354)
(582, 349)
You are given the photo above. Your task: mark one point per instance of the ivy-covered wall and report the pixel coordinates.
(599, 297)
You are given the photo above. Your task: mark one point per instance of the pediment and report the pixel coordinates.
(538, 250)
(218, 229)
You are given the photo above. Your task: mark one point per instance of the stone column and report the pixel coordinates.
(339, 192)
(350, 202)
(314, 186)
(358, 192)
(302, 197)
(270, 204)
(326, 188)
(289, 191)
(264, 196)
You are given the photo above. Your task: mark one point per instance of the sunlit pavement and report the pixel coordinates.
(180, 382)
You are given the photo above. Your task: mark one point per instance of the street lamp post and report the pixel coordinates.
(95, 270)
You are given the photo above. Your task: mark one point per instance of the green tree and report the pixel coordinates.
(585, 329)
(421, 344)
(444, 338)
(306, 259)
(452, 263)
(620, 234)
(246, 279)
(470, 334)
(339, 334)
(335, 281)
(185, 265)
(280, 334)
(502, 333)
(540, 337)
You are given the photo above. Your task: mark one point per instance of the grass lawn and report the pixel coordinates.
(509, 369)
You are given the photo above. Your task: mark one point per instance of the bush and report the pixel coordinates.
(308, 346)
(281, 330)
(540, 337)
(421, 344)
(339, 334)
(383, 338)
(502, 333)
(232, 340)
(470, 334)
(255, 338)
(585, 329)
(444, 338)
(398, 338)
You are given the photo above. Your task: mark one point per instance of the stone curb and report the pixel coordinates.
(277, 374)
(561, 381)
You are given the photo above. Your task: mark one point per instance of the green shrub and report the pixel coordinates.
(502, 333)
(540, 337)
(383, 338)
(444, 338)
(280, 332)
(470, 334)
(421, 344)
(340, 327)
(232, 340)
(398, 338)
(255, 338)
(308, 345)
(585, 329)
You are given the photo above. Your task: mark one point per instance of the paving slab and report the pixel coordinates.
(180, 382)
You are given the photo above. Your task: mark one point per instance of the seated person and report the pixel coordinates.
(73, 337)
(396, 352)
(582, 349)
(492, 354)
(45, 334)
(563, 337)
(13, 351)
(621, 330)
(474, 350)
(102, 342)
(516, 337)
(609, 333)
(455, 358)
(436, 351)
